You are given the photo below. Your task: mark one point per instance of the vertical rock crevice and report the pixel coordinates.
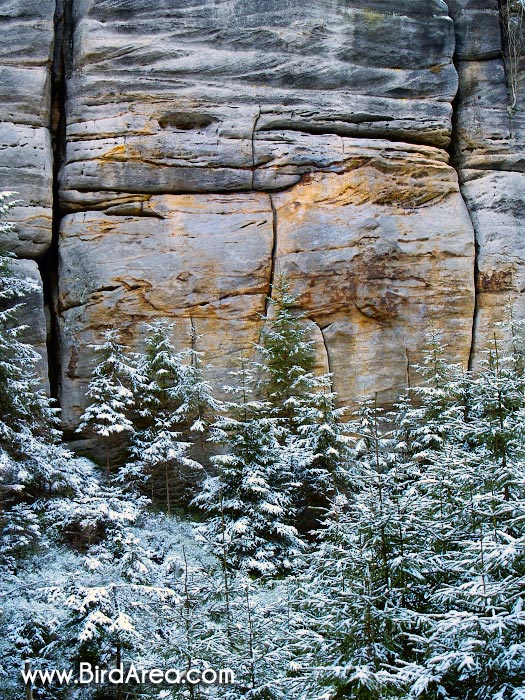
(408, 379)
(193, 338)
(476, 303)
(327, 353)
(48, 263)
(273, 262)
(454, 153)
(254, 157)
(487, 150)
(454, 161)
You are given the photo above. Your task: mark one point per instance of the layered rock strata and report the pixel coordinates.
(26, 162)
(210, 146)
(170, 133)
(25, 102)
(490, 154)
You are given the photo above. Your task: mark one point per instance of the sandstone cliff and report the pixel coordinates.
(173, 157)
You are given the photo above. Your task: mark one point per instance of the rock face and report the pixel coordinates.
(25, 111)
(181, 96)
(203, 259)
(376, 254)
(490, 146)
(26, 167)
(209, 146)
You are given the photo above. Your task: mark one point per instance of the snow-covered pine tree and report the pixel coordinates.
(194, 629)
(92, 513)
(32, 463)
(313, 435)
(498, 401)
(30, 623)
(350, 640)
(324, 447)
(125, 596)
(365, 578)
(24, 406)
(459, 452)
(159, 456)
(199, 408)
(287, 355)
(248, 504)
(159, 463)
(111, 393)
(472, 644)
(162, 371)
(262, 647)
(117, 609)
(430, 409)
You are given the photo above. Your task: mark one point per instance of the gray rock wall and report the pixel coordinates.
(26, 53)
(211, 145)
(490, 154)
(26, 163)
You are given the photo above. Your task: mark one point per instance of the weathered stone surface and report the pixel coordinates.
(204, 260)
(374, 251)
(477, 27)
(26, 168)
(376, 254)
(488, 137)
(490, 148)
(178, 97)
(496, 204)
(32, 314)
(25, 98)
(490, 129)
(211, 144)
(290, 156)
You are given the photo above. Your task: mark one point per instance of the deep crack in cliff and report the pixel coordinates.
(48, 263)
(273, 254)
(453, 151)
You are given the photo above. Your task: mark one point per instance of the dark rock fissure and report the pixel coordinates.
(327, 353)
(48, 263)
(193, 334)
(475, 314)
(254, 131)
(453, 151)
(274, 253)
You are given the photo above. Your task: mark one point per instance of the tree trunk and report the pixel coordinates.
(168, 499)
(107, 464)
